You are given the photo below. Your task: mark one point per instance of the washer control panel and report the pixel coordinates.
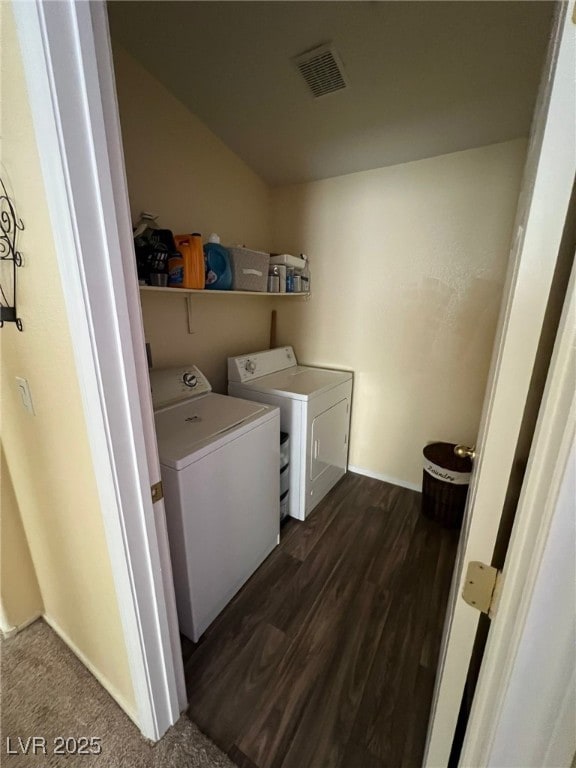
(248, 367)
(173, 385)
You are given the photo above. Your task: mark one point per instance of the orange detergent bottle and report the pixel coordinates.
(190, 246)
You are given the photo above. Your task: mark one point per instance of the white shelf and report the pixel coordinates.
(208, 292)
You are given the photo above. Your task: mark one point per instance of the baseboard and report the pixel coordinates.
(386, 478)
(9, 631)
(104, 682)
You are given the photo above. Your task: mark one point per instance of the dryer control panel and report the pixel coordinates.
(173, 385)
(248, 367)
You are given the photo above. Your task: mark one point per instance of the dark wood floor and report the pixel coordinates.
(327, 656)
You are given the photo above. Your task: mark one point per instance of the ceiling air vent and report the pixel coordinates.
(322, 69)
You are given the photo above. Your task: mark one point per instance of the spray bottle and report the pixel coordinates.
(305, 275)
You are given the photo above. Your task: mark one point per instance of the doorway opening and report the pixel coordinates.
(360, 318)
(160, 315)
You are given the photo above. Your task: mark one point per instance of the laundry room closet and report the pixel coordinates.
(408, 260)
(401, 187)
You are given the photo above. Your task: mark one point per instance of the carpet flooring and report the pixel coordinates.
(46, 692)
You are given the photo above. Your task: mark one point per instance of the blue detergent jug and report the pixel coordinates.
(218, 269)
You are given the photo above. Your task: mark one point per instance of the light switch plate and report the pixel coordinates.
(25, 394)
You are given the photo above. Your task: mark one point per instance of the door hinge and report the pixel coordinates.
(157, 492)
(482, 587)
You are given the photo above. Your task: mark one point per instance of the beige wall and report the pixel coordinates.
(223, 326)
(407, 266)
(19, 592)
(180, 170)
(48, 454)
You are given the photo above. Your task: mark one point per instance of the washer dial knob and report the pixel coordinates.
(190, 379)
(250, 366)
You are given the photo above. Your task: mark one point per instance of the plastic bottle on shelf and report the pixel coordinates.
(305, 275)
(190, 247)
(274, 280)
(217, 265)
(176, 271)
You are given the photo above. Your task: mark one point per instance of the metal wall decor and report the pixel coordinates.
(10, 258)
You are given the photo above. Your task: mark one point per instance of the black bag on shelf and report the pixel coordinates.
(153, 249)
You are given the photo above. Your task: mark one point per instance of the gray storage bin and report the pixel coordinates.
(284, 449)
(249, 269)
(284, 480)
(284, 505)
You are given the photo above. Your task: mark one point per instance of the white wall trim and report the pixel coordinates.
(385, 478)
(60, 63)
(6, 627)
(10, 630)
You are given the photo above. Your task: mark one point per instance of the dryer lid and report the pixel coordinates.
(250, 367)
(182, 430)
(300, 382)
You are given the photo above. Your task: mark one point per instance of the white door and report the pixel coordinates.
(543, 205)
(162, 565)
(68, 64)
(524, 707)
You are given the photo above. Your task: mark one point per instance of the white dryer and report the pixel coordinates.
(314, 409)
(219, 461)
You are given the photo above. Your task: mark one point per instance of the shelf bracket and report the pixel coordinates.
(189, 311)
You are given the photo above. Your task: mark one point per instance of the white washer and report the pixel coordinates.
(314, 409)
(219, 461)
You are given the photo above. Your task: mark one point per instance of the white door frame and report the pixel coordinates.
(66, 56)
(111, 116)
(543, 205)
(71, 94)
(550, 713)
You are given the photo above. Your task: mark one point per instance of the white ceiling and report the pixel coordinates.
(426, 78)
